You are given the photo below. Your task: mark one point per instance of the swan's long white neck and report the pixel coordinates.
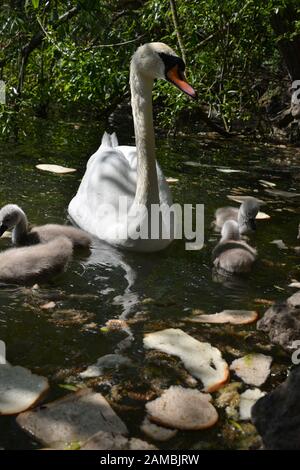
(141, 101)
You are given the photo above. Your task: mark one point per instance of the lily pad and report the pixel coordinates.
(253, 369)
(280, 244)
(262, 216)
(239, 198)
(235, 317)
(19, 389)
(267, 184)
(171, 180)
(284, 194)
(183, 408)
(202, 360)
(193, 164)
(295, 284)
(55, 168)
(229, 170)
(157, 433)
(247, 400)
(49, 305)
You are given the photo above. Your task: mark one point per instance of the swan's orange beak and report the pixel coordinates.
(177, 77)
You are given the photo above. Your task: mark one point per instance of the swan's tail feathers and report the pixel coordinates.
(114, 140)
(109, 140)
(106, 140)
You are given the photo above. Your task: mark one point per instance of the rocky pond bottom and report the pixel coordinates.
(127, 351)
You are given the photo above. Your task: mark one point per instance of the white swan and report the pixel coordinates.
(132, 172)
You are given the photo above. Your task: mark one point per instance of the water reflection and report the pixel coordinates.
(107, 257)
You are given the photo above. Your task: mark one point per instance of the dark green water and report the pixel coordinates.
(109, 284)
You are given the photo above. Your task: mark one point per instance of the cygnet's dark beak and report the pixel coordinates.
(3, 229)
(252, 224)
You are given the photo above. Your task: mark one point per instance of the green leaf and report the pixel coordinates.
(35, 4)
(74, 445)
(71, 388)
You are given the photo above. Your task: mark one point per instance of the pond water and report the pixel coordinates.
(152, 291)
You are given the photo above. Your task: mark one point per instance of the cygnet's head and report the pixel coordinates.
(157, 60)
(10, 216)
(247, 214)
(230, 231)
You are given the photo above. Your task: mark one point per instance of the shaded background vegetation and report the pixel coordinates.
(70, 59)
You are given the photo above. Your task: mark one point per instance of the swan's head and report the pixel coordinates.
(157, 60)
(10, 216)
(247, 214)
(230, 231)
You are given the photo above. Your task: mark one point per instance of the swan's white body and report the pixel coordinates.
(115, 172)
(111, 173)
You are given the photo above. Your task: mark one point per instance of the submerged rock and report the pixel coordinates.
(282, 322)
(183, 408)
(114, 441)
(277, 415)
(229, 399)
(19, 389)
(253, 369)
(157, 433)
(74, 418)
(109, 361)
(202, 360)
(240, 436)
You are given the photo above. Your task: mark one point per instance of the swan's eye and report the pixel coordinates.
(170, 61)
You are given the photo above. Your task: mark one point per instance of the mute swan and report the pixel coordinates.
(115, 172)
(32, 263)
(245, 215)
(13, 217)
(233, 254)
